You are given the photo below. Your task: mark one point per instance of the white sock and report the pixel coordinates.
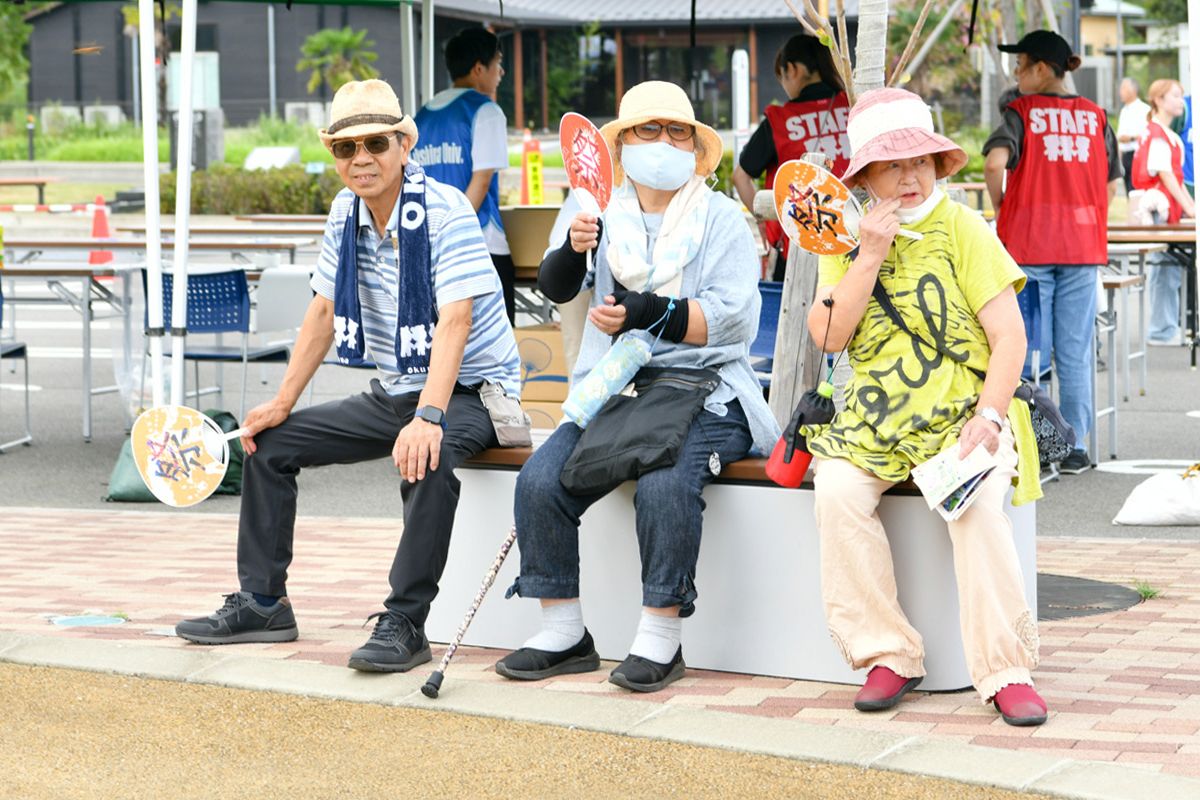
(562, 627)
(657, 637)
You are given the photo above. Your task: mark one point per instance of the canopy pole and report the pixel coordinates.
(1193, 56)
(272, 92)
(427, 66)
(408, 63)
(183, 201)
(149, 98)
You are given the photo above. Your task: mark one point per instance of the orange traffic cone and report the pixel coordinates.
(100, 230)
(531, 171)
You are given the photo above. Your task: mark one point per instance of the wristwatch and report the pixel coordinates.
(991, 415)
(431, 414)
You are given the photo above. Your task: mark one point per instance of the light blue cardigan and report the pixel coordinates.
(723, 279)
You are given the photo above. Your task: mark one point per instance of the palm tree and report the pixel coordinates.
(336, 56)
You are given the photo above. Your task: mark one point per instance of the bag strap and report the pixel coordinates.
(885, 302)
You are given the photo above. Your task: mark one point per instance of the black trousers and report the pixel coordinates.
(1127, 163)
(507, 271)
(348, 431)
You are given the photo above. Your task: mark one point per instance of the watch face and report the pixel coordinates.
(431, 414)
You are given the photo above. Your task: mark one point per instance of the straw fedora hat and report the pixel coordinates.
(361, 108)
(653, 100)
(890, 124)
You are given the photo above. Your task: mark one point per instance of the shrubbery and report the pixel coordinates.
(225, 189)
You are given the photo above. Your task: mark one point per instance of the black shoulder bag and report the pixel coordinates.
(1054, 435)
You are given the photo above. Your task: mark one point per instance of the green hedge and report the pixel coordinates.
(225, 189)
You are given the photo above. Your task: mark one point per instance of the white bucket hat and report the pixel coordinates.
(361, 108)
(653, 100)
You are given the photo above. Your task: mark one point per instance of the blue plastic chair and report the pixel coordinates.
(15, 350)
(762, 349)
(219, 302)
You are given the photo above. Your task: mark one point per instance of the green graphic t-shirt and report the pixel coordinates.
(907, 401)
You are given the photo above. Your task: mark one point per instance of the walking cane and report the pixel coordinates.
(430, 689)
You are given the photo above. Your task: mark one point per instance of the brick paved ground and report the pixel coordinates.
(1123, 687)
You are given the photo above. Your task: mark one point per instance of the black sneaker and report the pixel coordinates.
(1076, 462)
(395, 646)
(531, 664)
(639, 674)
(242, 619)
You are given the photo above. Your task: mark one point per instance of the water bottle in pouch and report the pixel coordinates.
(611, 374)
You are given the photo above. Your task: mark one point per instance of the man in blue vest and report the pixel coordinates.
(464, 139)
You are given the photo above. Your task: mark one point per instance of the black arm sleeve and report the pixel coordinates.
(562, 271)
(644, 309)
(1113, 152)
(759, 152)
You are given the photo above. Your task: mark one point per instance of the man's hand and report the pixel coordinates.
(268, 415)
(418, 446)
(977, 431)
(609, 318)
(878, 228)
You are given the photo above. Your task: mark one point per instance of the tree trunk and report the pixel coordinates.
(871, 50)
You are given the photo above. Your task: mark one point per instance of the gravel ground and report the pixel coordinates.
(69, 734)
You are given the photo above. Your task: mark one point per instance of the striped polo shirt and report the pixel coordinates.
(461, 269)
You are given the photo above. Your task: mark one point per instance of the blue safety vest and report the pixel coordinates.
(444, 149)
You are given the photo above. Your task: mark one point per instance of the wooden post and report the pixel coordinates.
(753, 53)
(543, 73)
(798, 359)
(619, 71)
(518, 81)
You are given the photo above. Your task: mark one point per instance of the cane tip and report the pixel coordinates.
(430, 689)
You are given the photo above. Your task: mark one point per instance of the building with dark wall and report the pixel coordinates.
(640, 41)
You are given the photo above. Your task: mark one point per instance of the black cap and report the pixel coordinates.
(1045, 46)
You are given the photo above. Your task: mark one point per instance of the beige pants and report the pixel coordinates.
(859, 584)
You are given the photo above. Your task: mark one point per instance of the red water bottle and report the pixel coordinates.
(789, 460)
(788, 469)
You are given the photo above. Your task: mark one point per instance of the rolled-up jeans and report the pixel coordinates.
(1166, 277)
(668, 506)
(1068, 299)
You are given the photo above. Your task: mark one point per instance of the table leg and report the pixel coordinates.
(41, 187)
(1125, 339)
(1112, 382)
(1145, 347)
(85, 309)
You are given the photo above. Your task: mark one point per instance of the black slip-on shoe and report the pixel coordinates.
(240, 620)
(531, 664)
(639, 674)
(395, 646)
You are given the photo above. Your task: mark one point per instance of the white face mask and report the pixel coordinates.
(658, 165)
(911, 216)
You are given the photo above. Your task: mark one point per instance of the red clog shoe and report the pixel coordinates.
(883, 690)
(1020, 705)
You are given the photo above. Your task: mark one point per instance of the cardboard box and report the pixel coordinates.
(543, 363)
(528, 231)
(543, 414)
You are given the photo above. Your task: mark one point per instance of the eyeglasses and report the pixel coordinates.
(375, 145)
(650, 131)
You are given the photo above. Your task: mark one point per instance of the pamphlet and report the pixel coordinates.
(949, 483)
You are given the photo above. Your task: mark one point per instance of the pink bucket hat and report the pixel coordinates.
(890, 124)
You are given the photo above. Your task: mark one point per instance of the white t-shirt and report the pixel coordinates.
(1133, 120)
(1159, 158)
(489, 150)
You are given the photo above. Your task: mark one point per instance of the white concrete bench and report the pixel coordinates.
(759, 610)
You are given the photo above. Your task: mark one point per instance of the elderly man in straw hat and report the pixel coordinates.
(403, 280)
(675, 268)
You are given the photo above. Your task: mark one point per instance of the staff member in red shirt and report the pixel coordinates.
(813, 120)
(1053, 217)
(1158, 169)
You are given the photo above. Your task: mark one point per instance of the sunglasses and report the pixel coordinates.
(650, 131)
(375, 145)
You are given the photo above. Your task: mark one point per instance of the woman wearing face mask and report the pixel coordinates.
(943, 379)
(674, 268)
(1158, 168)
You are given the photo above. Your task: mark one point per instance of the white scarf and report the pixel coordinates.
(677, 244)
(911, 216)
